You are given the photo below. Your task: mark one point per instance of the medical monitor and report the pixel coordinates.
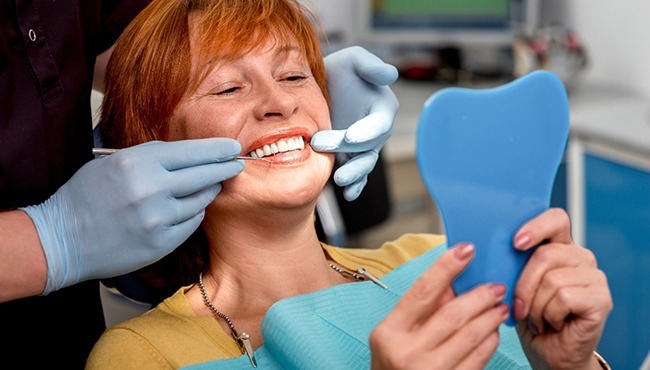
(445, 23)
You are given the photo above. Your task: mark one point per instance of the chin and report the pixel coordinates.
(294, 194)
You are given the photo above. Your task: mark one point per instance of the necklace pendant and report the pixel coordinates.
(371, 277)
(244, 341)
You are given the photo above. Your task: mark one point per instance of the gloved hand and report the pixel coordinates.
(363, 110)
(121, 212)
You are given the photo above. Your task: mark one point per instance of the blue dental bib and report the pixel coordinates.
(329, 329)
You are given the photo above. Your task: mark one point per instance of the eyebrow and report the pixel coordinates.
(283, 50)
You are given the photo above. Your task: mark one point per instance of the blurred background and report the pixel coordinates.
(597, 47)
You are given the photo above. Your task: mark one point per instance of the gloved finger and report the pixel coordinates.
(160, 214)
(335, 141)
(190, 206)
(352, 192)
(372, 69)
(178, 233)
(186, 153)
(356, 168)
(328, 140)
(373, 129)
(186, 181)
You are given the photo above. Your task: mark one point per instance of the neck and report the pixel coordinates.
(262, 246)
(255, 263)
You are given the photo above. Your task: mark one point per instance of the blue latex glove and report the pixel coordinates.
(121, 212)
(363, 110)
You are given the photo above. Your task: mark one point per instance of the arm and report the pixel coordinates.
(23, 269)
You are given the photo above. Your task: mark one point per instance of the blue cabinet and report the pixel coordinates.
(608, 197)
(617, 204)
(604, 183)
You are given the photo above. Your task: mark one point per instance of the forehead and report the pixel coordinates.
(207, 57)
(209, 42)
(221, 34)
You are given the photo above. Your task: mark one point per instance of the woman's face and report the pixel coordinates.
(269, 102)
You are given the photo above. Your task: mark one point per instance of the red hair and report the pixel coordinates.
(152, 66)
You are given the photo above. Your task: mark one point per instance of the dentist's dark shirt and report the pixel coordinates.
(47, 56)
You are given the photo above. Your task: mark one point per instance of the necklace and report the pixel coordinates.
(243, 339)
(363, 274)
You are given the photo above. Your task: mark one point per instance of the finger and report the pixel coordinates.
(419, 301)
(196, 203)
(551, 225)
(481, 355)
(337, 141)
(328, 140)
(352, 191)
(546, 258)
(190, 180)
(553, 282)
(356, 168)
(175, 235)
(170, 225)
(163, 212)
(372, 69)
(585, 296)
(187, 153)
(372, 130)
(451, 318)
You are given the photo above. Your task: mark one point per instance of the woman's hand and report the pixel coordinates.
(561, 298)
(430, 328)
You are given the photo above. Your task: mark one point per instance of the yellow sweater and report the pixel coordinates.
(171, 336)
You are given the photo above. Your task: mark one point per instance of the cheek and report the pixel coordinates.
(176, 128)
(329, 158)
(201, 123)
(182, 125)
(322, 115)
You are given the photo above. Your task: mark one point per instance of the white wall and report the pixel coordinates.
(616, 35)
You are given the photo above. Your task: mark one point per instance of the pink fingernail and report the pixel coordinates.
(522, 240)
(463, 251)
(518, 309)
(503, 309)
(499, 290)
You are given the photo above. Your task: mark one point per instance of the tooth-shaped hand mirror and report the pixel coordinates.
(488, 159)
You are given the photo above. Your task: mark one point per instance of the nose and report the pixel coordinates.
(275, 100)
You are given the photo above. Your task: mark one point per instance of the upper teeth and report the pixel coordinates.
(281, 146)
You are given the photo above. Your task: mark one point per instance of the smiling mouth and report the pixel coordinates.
(280, 146)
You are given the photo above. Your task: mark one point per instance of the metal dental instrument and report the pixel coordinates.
(107, 151)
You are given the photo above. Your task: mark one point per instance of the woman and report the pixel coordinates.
(252, 70)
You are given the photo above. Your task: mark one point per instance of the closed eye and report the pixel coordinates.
(296, 78)
(226, 91)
